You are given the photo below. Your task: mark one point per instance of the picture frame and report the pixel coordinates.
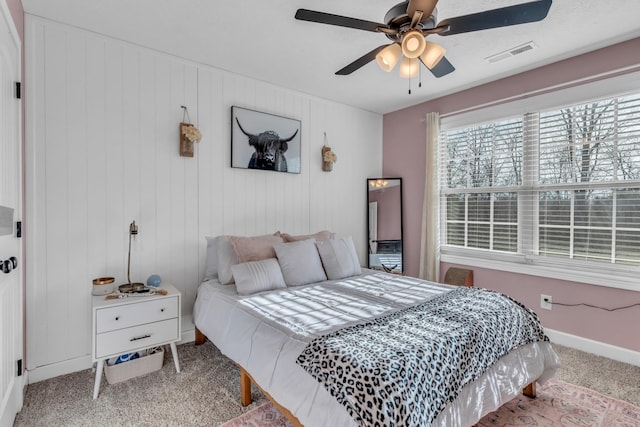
(264, 141)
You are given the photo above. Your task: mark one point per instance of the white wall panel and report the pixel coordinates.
(35, 197)
(55, 237)
(97, 253)
(77, 207)
(103, 124)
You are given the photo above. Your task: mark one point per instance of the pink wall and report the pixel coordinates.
(404, 156)
(17, 13)
(617, 328)
(388, 212)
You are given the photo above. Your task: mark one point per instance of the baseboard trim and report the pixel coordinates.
(189, 335)
(42, 373)
(13, 401)
(595, 347)
(45, 372)
(620, 354)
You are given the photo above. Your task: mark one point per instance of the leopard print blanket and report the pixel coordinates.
(404, 368)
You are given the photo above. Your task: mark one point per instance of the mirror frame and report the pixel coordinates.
(399, 179)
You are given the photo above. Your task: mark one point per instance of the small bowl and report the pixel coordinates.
(102, 286)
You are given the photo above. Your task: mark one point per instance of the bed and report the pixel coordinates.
(284, 339)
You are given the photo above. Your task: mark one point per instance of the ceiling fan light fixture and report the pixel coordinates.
(388, 57)
(432, 54)
(409, 68)
(413, 44)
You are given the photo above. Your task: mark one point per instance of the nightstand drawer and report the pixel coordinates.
(124, 316)
(143, 336)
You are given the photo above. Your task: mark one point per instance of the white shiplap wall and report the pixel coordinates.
(102, 150)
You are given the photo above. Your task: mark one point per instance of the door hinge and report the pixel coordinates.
(19, 366)
(19, 229)
(18, 90)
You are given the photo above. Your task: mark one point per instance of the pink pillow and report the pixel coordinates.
(254, 248)
(320, 235)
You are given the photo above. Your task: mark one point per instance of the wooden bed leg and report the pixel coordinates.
(245, 388)
(530, 390)
(200, 337)
(245, 397)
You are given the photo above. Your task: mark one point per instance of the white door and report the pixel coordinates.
(373, 227)
(11, 294)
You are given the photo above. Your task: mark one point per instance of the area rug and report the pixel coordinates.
(558, 404)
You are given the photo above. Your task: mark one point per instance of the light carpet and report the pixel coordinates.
(207, 391)
(558, 404)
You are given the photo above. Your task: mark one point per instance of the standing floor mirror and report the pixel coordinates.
(384, 224)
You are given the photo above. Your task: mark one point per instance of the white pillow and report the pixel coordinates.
(257, 276)
(300, 262)
(211, 267)
(226, 258)
(339, 257)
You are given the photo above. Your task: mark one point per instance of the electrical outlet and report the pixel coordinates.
(546, 301)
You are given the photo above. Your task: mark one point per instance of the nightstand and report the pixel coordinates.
(132, 324)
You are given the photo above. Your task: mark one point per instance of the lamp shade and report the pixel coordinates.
(432, 54)
(413, 44)
(388, 57)
(409, 68)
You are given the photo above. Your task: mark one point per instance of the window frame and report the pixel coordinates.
(620, 276)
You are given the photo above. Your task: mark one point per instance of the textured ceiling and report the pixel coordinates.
(261, 39)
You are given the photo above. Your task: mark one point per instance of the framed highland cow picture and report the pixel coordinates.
(264, 141)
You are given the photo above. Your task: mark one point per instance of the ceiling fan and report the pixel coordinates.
(409, 23)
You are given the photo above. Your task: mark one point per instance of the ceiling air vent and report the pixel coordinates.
(511, 52)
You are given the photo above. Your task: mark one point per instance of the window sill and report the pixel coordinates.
(588, 273)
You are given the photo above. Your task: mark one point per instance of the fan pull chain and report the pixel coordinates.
(419, 75)
(409, 84)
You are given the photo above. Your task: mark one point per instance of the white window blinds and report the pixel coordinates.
(563, 183)
(481, 170)
(589, 181)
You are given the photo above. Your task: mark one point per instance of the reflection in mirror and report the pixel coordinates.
(385, 224)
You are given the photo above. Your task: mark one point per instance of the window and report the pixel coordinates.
(483, 166)
(562, 184)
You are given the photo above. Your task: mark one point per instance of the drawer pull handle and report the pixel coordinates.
(140, 338)
(117, 317)
(162, 310)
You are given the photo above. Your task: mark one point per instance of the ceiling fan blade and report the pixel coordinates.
(442, 68)
(503, 17)
(426, 6)
(340, 21)
(360, 62)
(417, 17)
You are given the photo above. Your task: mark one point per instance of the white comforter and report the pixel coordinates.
(266, 332)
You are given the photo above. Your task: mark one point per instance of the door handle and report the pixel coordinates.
(9, 264)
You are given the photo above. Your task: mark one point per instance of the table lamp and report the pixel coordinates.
(131, 286)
